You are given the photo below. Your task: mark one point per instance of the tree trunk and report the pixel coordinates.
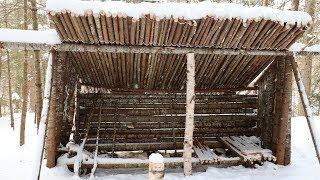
(10, 91)
(265, 3)
(295, 5)
(189, 126)
(25, 81)
(305, 63)
(38, 104)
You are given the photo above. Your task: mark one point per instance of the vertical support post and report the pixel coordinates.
(189, 125)
(285, 88)
(51, 145)
(156, 167)
(306, 107)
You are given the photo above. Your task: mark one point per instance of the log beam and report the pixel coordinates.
(144, 49)
(189, 125)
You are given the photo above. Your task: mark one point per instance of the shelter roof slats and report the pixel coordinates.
(150, 30)
(160, 71)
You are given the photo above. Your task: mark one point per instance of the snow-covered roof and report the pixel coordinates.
(186, 10)
(29, 36)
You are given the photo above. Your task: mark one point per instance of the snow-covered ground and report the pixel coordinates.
(16, 162)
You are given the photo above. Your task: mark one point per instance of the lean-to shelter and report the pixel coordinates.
(207, 81)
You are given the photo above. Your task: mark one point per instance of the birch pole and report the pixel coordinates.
(43, 123)
(315, 134)
(188, 136)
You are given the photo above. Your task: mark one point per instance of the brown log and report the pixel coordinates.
(99, 27)
(285, 113)
(133, 31)
(110, 28)
(51, 147)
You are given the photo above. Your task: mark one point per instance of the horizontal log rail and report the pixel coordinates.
(200, 125)
(147, 138)
(168, 112)
(208, 105)
(169, 139)
(157, 133)
(163, 91)
(199, 97)
(172, 118)
(146, 146)
(72, 47)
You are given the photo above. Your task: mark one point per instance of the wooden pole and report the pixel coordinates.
(43, 123)
(189, 126)
(315, 133)
(51, 145)
(73, 47)
(284, 80)
(156, 167)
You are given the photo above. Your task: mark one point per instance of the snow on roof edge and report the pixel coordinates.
(298, 47)
(49, 36)
(186, 10)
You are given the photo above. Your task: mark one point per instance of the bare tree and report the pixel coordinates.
(10, 91)
(265, 3)
(38, 104)
(25, 79)
(306, 63)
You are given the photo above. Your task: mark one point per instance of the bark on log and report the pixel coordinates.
(284, 113)
(190, 102)
(51, 145)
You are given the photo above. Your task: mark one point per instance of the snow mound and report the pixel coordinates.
(156, 158)
(185, 10)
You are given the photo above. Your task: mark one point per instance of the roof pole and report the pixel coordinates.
(189, 125)
(315, 133)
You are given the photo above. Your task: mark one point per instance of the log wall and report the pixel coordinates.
(275, 109)
(157, 121)
(60, 113)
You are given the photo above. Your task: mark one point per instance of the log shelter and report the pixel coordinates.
(209, 91)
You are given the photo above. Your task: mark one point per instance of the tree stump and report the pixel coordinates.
(156, 167)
